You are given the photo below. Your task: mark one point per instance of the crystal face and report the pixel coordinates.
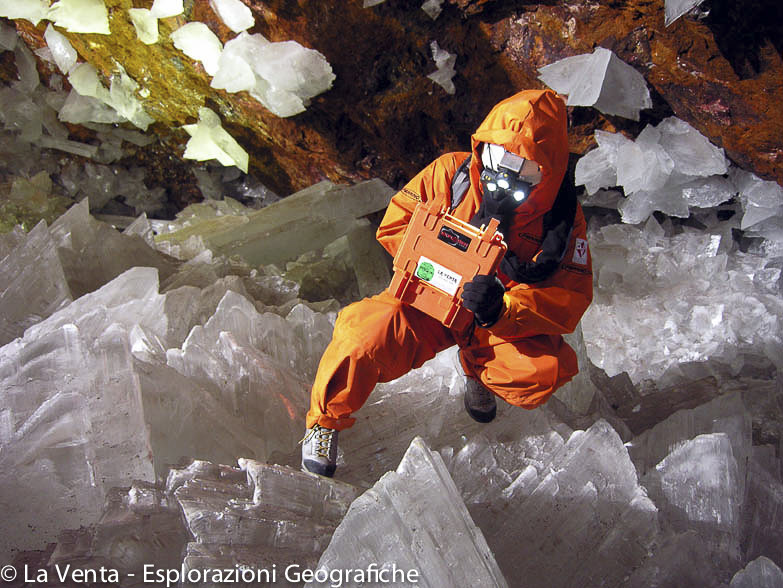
(599, 79)
(81, 16)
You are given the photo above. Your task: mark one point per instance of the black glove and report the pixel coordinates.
(486, 213)
(483, 295)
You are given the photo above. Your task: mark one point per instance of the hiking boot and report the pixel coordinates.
(319, 451)
(479, 401)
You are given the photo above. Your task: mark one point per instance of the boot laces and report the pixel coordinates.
(323, 442)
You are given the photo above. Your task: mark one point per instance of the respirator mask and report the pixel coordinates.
(506, 180)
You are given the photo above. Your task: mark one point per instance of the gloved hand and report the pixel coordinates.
(483, 295)
(488, 211)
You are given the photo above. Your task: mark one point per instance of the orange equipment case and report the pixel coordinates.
(437, 255)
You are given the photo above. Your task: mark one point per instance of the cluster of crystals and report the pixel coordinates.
(444, 61)
(672, 168)
(669, 167)
(119, 360)
(283, 76)
(669, 299)
(693, 500)
(76, 16)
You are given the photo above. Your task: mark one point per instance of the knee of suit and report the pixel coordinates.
(523, 373)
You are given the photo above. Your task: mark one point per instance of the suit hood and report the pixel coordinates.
(534, 125)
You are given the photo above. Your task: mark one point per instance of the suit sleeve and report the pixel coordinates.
(554, 306)
(430, 183)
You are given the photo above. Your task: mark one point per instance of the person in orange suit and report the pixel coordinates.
(514, 349)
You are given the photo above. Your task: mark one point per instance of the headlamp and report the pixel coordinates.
(505, 182)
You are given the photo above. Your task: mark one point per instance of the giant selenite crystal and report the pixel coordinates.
(563, 500)
(444, 61)
(599, 79)
(697, 487)
(413, 519)
(32, 10)
(92, 253)
(199, 43)
(33, 283)
(257, 515)
(72, 414)
(725, 414)
(760, 573)
(310, 219)
(234, 14)
(762, 202)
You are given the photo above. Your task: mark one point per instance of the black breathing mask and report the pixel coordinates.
(503, 188)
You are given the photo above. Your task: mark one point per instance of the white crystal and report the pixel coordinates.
(282, 76)
(637, 207)
(762, 511)
(28, 297)
(444, 61)
(198, 42)
(760, 573)
(208, 140)
(145, 23)
(81, 16)
(599, 79)
(691, 151)
(80, 238)
(661, 170)
(234, 70)
(80, 109)
(643, 165)
(419, 502)
(261, 237)
(77, 422)
(166, 8)
(584, 498)
(289, 76)
(598, 168)
(62, 51)
(235, 516)
(265, 347)
(760, 199)
(642, 321)
(708, 192)
(676, 8)
(8, 36)
(84, 79)
(123, 92)
(697, 486)
(32, 10)
(26, 68)
(75, 147)
(725, 414)
(234, 14)
(433, 8)
(369, 3)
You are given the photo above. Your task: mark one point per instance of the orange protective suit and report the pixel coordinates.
(522, 357)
